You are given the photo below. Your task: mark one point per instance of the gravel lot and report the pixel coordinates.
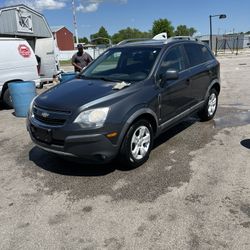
(193, 193)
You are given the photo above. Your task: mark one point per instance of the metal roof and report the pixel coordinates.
(56, 28)
(22, 21)
(20, 6)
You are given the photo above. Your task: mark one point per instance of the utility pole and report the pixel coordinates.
(211, 33)
(221, 16)
(74, 21)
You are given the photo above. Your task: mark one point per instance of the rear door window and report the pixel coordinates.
(206, 54)
(197, 54)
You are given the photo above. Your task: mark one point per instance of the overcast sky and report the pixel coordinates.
(118, 14)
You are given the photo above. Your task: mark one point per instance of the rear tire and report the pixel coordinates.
(209, 109)
(7, 99)
(137, 145)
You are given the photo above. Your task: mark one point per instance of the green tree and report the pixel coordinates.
(183, 30)
(129, 33)
(84, 40)
(102, 33)
(192, 31)
(162, 25)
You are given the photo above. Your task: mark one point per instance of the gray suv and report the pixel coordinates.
(124, 99)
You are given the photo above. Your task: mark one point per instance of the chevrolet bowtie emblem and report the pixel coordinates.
(45, 115)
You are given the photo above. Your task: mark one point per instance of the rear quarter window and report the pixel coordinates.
(197, 54)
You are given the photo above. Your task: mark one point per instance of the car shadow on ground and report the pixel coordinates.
(64, 166)
(173, 131)
(245, 143)
(4, 107)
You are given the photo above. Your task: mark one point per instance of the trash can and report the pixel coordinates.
(67, 76)
(22, 94)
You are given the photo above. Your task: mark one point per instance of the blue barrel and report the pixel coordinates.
(67, 76)
(22, 94)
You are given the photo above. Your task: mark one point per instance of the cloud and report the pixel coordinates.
(83, 5)
(39, 5)
(93, 5)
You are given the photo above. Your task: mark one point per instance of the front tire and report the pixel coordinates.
(137, 144)
(208, 111)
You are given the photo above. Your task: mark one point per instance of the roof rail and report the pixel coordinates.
(133, 40)
(174, 38)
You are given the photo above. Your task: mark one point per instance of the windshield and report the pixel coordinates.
(124, 64)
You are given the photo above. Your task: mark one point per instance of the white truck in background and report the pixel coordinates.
(49, 64)
(21, 21)
(17, 63)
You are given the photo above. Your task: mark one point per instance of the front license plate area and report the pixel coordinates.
(43, 135)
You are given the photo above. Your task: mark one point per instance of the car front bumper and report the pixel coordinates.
(88, 147)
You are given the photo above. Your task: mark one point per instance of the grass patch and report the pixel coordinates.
(65, 62)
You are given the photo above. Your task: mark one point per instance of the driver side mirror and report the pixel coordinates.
(170, 74)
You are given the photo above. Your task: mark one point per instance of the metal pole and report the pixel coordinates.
(216, 46)
(237, 51)
(74, 21)
(211, 36)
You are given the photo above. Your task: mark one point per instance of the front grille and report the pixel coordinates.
(49, 121)
(50, 117)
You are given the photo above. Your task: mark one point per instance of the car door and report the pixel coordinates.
(174, 94)
(201, 64)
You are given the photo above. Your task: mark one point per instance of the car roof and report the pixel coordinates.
(155, 43)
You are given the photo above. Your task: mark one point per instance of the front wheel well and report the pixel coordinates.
(149, 118)
(216, 86)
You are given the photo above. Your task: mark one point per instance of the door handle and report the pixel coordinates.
(210, 72)
(188, 81)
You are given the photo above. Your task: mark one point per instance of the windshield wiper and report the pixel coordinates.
(106, 79)
(83, 76)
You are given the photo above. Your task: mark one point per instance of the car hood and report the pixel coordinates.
(75, 93)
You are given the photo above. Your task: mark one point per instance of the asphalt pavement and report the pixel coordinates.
(193, 193)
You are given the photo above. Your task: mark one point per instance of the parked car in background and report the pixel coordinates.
(17, 63)
(123, 100)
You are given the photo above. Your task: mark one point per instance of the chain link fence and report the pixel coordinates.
(232, 44)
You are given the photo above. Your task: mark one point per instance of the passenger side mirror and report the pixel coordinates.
(170, 74)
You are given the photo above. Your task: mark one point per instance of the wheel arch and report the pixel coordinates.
(215, 84)
(145, 113)
(5, 85)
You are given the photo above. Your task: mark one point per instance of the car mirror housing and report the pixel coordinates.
(170, 74)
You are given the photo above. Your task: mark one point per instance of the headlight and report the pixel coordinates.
(31, 107)
(93, 118)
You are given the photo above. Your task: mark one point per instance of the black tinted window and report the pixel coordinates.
(197, 54)
(174, 59)
(206, 54)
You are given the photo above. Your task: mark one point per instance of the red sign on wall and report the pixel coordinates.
(24, 50)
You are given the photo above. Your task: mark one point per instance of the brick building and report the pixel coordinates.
(63, 37)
